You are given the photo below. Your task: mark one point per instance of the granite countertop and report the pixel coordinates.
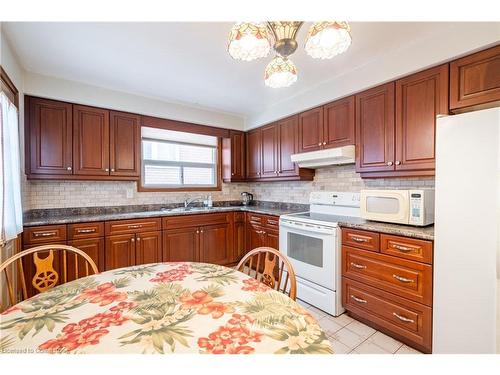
(423, 233)
(89, 214)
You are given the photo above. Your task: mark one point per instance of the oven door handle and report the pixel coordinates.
(306, 228)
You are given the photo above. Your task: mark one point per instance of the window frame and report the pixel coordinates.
(218, 172)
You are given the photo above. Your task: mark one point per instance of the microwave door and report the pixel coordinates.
(390, 206)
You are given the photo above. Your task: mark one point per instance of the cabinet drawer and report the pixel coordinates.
(195, 220)
(410, 321)
(405, 278)
(45, 233)
(407, 248)
(86, 230)
(361, 239)
(272, 222)
(132, 226)
(256, 219)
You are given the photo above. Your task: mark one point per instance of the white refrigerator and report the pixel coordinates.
(467, 234)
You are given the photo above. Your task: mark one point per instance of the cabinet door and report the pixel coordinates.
(419, 99)
(93, 247)
(216, 243)
(181, 245)
(270, 151)
(49, 127)
(254, 153)
(311, 130)
(273, 239)
(237, 155)
(375, 129)
(125, 147)
(288, 143)
(91, 141)
(256, 237)
(120, 251)
(338, 127)
(148, 248)
(475, 80)
(239, 241)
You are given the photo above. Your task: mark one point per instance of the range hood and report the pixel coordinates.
(323, 158)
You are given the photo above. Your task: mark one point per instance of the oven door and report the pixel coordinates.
(311, 249)
(391, 206)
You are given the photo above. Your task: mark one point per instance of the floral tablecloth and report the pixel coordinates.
(162, 308)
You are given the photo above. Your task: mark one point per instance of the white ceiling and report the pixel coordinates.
(187, 62)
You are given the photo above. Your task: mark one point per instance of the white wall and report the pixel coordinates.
(81, 93)
(410, 57)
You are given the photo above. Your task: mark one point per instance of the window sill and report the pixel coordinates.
(178, 189)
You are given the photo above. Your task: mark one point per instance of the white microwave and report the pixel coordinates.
(412, 207)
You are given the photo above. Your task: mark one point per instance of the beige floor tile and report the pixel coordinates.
(385, 342)
(338, 347)
(370, 348)
(407, 350)
(329, 325)
(361, 329)
(342, 320)
(303, 304)
(348, 338)
(317, 313)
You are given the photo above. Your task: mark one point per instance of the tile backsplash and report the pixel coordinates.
(55, 194)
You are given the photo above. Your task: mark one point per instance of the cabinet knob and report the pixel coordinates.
(69, 168)
(398, 162)
(112, 169)
(389, 163)
(201, 231)
(133, 239)
(319, 144)
(138, 239)
(232, 174)
(324, 143)
(197, 232)
(107, 169)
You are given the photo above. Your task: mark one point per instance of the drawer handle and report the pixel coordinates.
(403, 318)
(260, 232)
(403, 279)
(45, 234)
(134, 226)
(358, 239)
(86, 230)
(272, 222)
(358, 266)
(358, 300)
(404, 249)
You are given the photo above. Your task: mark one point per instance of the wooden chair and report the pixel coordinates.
(46, 277)
(267, 265)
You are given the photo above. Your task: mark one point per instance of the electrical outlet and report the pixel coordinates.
(130, 193)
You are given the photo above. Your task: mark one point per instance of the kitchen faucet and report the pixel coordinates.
(188, 202)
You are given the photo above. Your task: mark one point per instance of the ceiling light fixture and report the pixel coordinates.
(252, 40)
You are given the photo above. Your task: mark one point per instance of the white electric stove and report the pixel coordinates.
(311, 240)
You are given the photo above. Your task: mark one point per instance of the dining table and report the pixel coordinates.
(176, 307)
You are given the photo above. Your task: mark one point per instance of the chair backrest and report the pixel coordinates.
(45, 276)
(270, 267)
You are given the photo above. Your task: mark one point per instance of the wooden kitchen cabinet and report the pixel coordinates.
(475, 81)
(49, 137)
(288, 144)
(120, 251)
(338, 126)
(420, 98)
(270, 141)
(216, 242)
(180, 245)
(256, 237)
(234, 157)
(124, 144)
(375, 129)
(148, 248)
(262, 230)
(94, 248)
(310, 130)
(91, 141)
(254, 153)
(239, 234)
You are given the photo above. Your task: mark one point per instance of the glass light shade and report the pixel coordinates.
(328, 39)
(248, 41)
(280, 72)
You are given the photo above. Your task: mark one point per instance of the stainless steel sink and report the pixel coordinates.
(188, 209)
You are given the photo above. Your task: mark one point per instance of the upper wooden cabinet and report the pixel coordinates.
(287, 146)
(375, 129)
(70, 141)
(91, 141)
(420, 98)
(475, 80)
(338, 125)
(270, 144)
(254, 153)
(49, 137)
(125, 144)
(311, 130)
(233, 157)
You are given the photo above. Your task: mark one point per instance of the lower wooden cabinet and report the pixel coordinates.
(94, 248)
(120, 251)
(262, 230)
(148, 248)
(239, 235)
(216, 242)
(180, 245)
